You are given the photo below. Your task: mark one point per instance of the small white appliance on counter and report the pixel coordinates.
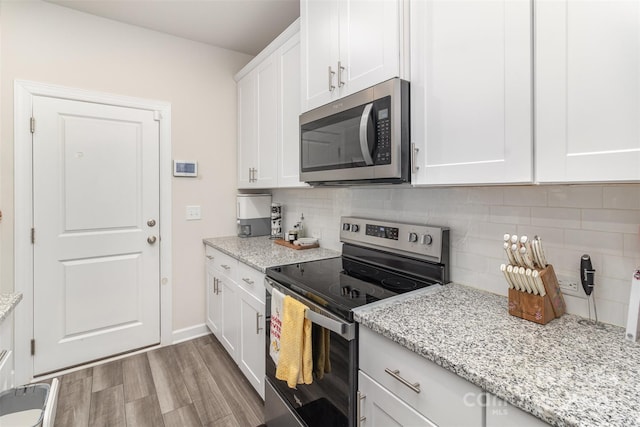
(253, 215)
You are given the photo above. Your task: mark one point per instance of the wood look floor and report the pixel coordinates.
(194, 383)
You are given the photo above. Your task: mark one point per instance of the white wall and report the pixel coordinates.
(601, 220)
(51, 44)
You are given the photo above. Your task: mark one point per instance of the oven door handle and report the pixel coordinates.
(364, 139)
(344, 329)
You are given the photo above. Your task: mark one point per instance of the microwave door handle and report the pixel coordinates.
(364, 140)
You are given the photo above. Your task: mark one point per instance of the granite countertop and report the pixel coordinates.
(8, 302)
(261, 252)
(564, 372)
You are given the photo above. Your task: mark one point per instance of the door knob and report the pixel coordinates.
(151, 240)
(151, 222)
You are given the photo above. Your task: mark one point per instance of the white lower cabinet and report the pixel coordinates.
(230, 323)
(501, 414)
(381, 408)
(440, 396)
(235, 312)
(252, 336)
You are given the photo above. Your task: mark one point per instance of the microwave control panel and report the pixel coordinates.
(383, 138)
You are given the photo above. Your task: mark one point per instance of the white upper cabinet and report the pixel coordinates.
(289, 140)
(349, 45)
(268, 111)
(471, 91)
(587, 91)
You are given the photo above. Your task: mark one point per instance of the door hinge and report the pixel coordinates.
(33, 347)
(32, 124)
(33, 235)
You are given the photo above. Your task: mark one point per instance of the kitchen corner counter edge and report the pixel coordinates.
(564, 372)
(8, 301)
(261, 252)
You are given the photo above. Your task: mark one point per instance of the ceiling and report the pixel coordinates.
(241, 25)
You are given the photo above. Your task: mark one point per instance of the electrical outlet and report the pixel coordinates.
(570, 285)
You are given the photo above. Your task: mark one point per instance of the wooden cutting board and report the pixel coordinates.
(296, 247)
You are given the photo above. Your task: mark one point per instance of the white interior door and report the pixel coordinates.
(96, 246)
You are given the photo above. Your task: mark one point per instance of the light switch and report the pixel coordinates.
(193, 213)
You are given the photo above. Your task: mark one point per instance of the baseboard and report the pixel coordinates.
(190, 333)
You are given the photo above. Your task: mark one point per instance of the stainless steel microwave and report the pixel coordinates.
(362, 138)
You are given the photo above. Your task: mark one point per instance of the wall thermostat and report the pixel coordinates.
(185, 168)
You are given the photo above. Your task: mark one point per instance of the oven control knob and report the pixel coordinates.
(413, 237)
(355, 228)
(426, 239)
(346, 226)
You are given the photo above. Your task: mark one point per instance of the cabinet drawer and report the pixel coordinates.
(226, 265)
(443, 397)
(251, 280)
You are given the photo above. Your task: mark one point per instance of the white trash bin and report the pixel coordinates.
(30, 405)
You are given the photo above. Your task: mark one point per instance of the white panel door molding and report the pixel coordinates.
(94, 285)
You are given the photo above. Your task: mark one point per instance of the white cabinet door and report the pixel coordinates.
(229, 311)
(587, 90)
(347, 46)
(267, 101)
(214, 308)
(289, 144)
(381, 408)
(501, 414)
(251, 358)
(319, 27)
(247, 149)
(471, 91)
(370, 43)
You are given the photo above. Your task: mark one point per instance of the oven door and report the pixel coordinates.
(330, 399)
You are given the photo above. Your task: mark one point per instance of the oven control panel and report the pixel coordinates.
(422, 241)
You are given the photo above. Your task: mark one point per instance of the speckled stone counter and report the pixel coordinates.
(7, 303)
(262, 252)
(565, 373)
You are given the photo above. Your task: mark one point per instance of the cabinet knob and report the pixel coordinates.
(151, 239)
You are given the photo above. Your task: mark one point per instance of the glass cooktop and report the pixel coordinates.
(342, 284)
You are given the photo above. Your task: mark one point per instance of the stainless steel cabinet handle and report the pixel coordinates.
(151, 223)
(340, 70)
(215, 285)
(396, 374)
(210, 257)
(414, 157)
(225, 266)
(359, 417)
(331, 73)
(258, 328)
(151, 240)
(248, 281)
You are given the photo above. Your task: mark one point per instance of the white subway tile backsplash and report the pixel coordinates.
(632, 246)
(575, 196)
(549, 235)
(556, 217)
(615, 220)
(622, 196)
(510, 214)
(601, 220)
(525, 196)
(618, 267)
(595, 241)
(486, 195)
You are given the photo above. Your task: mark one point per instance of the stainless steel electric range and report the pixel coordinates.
(380, 259)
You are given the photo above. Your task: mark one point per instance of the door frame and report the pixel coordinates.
(24, 91)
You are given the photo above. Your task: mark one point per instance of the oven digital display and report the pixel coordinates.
(382, 231)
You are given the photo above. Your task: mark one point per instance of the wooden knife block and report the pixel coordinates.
(536, 308)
